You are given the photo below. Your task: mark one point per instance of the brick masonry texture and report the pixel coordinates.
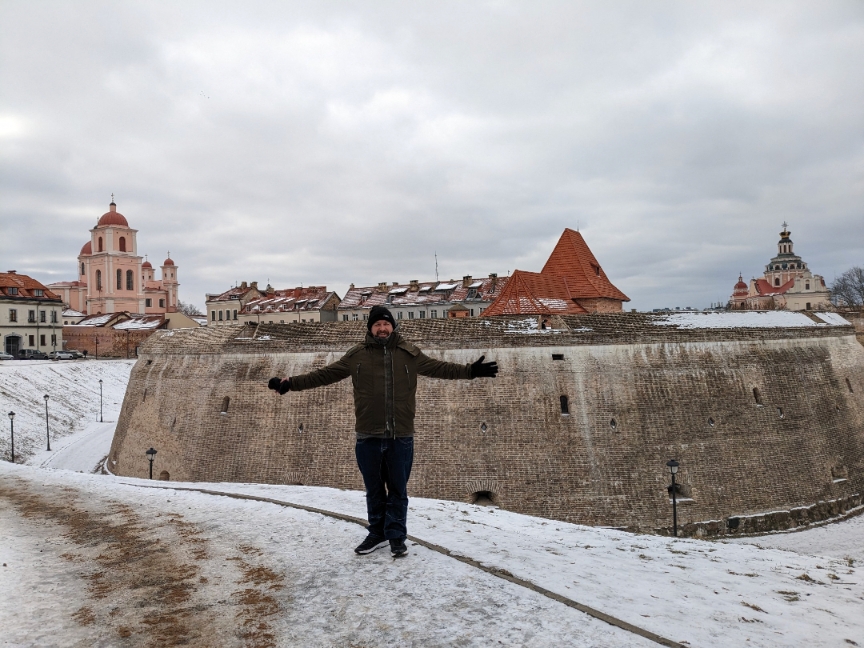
(638, 394)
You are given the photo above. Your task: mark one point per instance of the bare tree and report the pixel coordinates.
(848, 289)
(188, 309)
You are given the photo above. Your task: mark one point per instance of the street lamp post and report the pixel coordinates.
(47, 428)
(101, 419)
(151, 453)
(12, 432)
(96, 341)
(673, 468)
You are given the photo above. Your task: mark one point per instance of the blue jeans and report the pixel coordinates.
(386, 466)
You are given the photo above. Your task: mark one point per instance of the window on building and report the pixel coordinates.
(130, 280)
(41, 340)
(32, 339)
(471, 312)
(119, 280)
(53, 339)
(53, 317)
(776, 281)
(161, 303)
(148, 302)
(398, 314)
(212, 316)
(31, 317)
(345, 318)
(42, 317)
(99, 245)
(433, 314)
(99, 278)
(122, 243)
(806, 286)
(235, 314)
(807, 306)
(422, 314)
(82, 269)
(354, 316)
(365, 317)
(220, 316)
(38, 292)
(410, 314)
(13, 290)
(13, 314)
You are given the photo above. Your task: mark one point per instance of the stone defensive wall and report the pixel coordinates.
(764, 412)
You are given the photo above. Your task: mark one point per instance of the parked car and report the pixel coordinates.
(75, 354)
(6, 356)
(31, 354)
(61, 355)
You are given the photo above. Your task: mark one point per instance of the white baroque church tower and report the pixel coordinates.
(787, 284)
(112, 277)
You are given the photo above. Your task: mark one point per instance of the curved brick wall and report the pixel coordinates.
(638, 394)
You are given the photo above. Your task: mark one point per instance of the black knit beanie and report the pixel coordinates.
(379, 313)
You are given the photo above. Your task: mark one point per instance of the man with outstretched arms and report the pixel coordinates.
(383, 369)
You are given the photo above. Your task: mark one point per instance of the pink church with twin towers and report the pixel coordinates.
(113, 277)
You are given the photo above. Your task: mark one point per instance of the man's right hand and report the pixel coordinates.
(279, 385)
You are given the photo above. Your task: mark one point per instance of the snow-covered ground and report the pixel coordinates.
(93, 560)
(73, 404)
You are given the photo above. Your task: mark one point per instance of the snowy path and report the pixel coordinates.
(77, 452)
(89, 565)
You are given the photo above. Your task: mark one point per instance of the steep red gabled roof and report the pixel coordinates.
(534, 293)
(571, 273)
(573, 260)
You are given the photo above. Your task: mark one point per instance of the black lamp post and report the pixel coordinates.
(101, 420)
(673, 468)
(12, 431)
(150, 454)
(96, 341)
(47, 428)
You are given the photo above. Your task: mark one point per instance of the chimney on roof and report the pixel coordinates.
(466, 281)
(415, 285)
(493, 280)
(297, 293)
(351, 287)
(382, 286)
(395, 283)
(11, 271)
(254, 285)
(243, 284)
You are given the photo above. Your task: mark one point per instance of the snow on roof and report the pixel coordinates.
(476, 284)
(71, 312)
(140, 323)
(446, 286)
(749, 319)
(398, 291)
(97, 320)
(833, 318)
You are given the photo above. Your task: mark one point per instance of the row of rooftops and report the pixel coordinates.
(571, 282)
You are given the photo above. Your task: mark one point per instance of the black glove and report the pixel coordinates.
(279, 385)
(482, 369)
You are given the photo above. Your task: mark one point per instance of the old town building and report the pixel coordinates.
(572, 282)
(113, 277)
(29, 315)
(787, 284)
(225, 307)
(310, 304)
(423, 300)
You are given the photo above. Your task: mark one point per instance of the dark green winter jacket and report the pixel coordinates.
(385, 383)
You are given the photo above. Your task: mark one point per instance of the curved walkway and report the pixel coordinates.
(500, 573)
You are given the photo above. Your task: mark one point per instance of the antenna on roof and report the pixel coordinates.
(436, 265)
(577, 225)
(112, 196)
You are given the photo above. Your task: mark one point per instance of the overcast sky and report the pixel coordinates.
(325, 143)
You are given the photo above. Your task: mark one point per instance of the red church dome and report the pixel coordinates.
(168, 262)
(740, 287)
(113, 217)
(86, 250)
(146, 264)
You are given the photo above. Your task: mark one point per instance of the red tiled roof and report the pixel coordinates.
(571, 273)
(233, 293)
(291, 299)
(764, 287)
(574, 261)
(25, 286)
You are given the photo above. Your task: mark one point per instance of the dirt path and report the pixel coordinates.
(132, 577)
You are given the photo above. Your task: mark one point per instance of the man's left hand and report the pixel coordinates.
(482, 369)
